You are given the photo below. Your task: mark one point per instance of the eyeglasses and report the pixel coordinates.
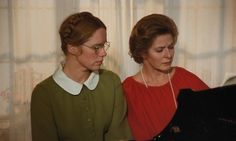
(98, 48)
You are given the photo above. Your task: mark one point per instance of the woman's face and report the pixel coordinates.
(160, 55)
(90, 59)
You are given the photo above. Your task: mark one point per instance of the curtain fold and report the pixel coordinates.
(30, 46)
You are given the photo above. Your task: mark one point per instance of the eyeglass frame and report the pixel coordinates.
(96, 48)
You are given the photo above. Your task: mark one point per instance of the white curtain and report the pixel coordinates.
(30, 46)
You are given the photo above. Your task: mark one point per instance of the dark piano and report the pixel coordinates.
(207, 115)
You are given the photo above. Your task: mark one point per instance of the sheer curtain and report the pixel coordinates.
(30, 47)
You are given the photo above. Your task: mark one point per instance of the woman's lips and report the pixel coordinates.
(166, 63)
(99, 62)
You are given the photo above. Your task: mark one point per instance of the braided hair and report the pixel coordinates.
(78, 28)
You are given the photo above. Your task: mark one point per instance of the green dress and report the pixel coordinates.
(93, 115)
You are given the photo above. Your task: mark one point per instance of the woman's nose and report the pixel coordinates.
(102, 52)
(167, 52)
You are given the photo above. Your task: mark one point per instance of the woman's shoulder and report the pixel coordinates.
(128, 80)
(46, 82)
(183, 75)
(44, 86)
(183, 72)
(180, 69)
(107, 72)
(131, 83)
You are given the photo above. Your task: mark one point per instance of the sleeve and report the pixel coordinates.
(119, 127)
(42, 122)
(197, 83)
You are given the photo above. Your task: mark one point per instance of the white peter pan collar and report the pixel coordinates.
(72, 86)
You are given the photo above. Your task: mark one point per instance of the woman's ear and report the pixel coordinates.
(74, 50)
(143, 55)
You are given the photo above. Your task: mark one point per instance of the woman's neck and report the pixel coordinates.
(153, 77)
(75, 72)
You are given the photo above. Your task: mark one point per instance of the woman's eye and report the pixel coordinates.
(159, 50)
(170, 47)
(97, 47)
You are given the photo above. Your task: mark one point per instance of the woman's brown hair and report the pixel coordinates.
(78, 28)
(146, 30)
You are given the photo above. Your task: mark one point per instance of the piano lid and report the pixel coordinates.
(203, 116)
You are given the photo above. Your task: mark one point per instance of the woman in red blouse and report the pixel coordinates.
(151, 93)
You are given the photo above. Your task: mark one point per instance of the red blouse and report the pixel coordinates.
(151, 109)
